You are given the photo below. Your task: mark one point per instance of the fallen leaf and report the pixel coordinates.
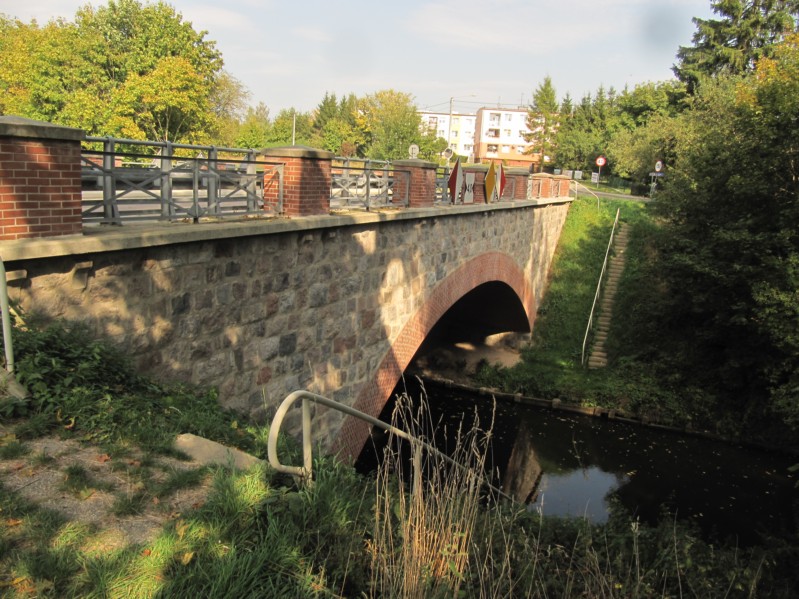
(156, 501)
(146, 553)
(13, 522)
(186, 558)
(103, 458)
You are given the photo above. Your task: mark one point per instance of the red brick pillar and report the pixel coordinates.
(545, 184)
(561, 183)
(306, 180)
(416, 180)
(518, 188)
(39, 179)
(480, 173)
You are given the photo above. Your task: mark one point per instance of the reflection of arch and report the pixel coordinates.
(489, 267)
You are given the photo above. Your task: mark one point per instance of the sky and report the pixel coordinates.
(480, 53)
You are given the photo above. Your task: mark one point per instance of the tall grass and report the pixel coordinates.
(422, 536)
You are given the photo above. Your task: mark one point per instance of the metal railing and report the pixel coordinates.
(8, 344)
(176, 182)
(306, 470)
(364, 183)
(590, 325)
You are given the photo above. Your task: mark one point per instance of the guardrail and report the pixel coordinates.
(177, 182)
(364, 183)
(598, 288)
(305, 471)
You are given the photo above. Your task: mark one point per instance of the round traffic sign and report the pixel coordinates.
(600, 161)
(658, 166)
(413, 151)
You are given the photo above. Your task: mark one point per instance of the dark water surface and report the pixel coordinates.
(571, 465)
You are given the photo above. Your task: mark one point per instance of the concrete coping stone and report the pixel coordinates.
(543, 176)
(105, 238)
(208, 452)
(297, 152)
(517, 170)
(476, 168)
(17, 126)
(414, 162)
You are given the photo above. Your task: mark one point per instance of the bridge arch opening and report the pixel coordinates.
(490, 291)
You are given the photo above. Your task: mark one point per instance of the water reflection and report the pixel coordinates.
(579, 466)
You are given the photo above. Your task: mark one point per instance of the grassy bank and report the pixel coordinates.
(259, 534)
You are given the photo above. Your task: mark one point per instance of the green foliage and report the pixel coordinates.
(747, 31)
(726, 267)
(391, 123)
(88, 389)
(543, 120)
(126, 69)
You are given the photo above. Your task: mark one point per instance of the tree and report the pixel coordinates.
(228, 103)
(543, 121)
(126, 69)
(254, 130)
(747, 31)
(391, 123)
(729, 263)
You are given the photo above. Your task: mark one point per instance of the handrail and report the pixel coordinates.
(8, 344)
(306, 470)
(599, 287)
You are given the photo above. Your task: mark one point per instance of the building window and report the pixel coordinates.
(492, 148)
(493, 119)
(507, 133)
(506, 149)
(468, 147)
(492, 133)
(456, 121)
(509, 117)
(455, 133)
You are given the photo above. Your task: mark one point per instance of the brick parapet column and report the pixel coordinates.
(40, 193)
(544, 184)
(517, 190)
(306, 180)
(560, 185)
(417, 179)
(480, 173)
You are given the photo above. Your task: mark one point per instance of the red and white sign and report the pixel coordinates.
(600, 161)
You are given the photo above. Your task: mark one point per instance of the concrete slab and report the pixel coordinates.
(210, 452)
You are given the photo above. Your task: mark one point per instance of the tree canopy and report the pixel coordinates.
(747, 31)
(126, 69)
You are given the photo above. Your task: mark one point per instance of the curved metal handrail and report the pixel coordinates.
(8, 344)
(599, 287)
(306, 470)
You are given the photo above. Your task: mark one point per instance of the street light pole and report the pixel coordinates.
(449, 123)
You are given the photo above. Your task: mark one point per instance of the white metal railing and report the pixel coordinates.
(169, 181)
(306, 470)
(590, 325)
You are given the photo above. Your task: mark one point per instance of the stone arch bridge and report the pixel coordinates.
(334, 303)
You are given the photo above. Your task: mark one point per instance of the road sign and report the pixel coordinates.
(658, 166)
(413, 151)
(594, 177)
(600, 161)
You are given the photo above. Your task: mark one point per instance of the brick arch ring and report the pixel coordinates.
(486, 268)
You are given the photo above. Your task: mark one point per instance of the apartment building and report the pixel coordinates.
(491, 134)
(500, 135)
(460, 131)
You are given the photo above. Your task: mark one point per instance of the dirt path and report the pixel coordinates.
(88, 486)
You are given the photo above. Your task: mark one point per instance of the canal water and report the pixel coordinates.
(570, 465)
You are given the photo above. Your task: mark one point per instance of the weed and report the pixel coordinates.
(13, 449)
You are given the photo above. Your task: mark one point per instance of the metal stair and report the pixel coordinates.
(598, 357)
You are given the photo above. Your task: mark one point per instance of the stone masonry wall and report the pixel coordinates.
(333, 310)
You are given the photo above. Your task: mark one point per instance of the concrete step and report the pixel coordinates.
(597, 363)
(599, 355)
